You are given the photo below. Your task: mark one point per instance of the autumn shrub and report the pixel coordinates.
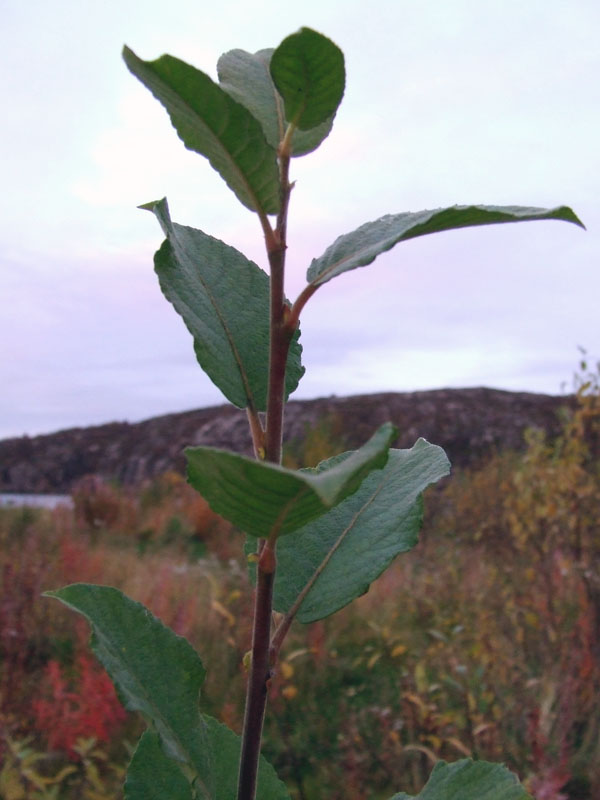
(75, 706)
(49, 689)
(320, 441)
(483, 642)
(29, 774)
(163, 512)
(28, 555)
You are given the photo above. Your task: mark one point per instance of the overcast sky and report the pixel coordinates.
(446, 103)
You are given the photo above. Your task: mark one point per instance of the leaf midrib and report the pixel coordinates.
(412, 232)
(222, 320)
(334, 548)
(229, 157)
(117, 656)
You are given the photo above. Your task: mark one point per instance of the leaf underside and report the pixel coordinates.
(226, 746)
(469, 780)
(159, 674)
(362, 246)
(266, 499)
(359, 538)
(210, 122)
(246, 78)
(223, 298)
(155, 671)
(152, 775)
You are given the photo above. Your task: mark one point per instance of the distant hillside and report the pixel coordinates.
(468, 423)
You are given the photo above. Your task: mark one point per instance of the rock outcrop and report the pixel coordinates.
(468, 423)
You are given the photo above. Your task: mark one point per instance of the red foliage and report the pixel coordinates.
(86, 706)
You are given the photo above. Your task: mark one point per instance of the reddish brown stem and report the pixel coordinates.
(277, 361)
(260, 668)
(256, 696)
(302, 299)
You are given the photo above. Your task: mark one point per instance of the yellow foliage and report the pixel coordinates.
(24, 774)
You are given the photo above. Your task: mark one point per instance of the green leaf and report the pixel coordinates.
(153, 776)
(246, 78)
(263, 499)
(308, 70)
(226, 746)
(211, 123)
(340, 554)
(224, 301)
(362, 246)
(469, 780)
(155, 671)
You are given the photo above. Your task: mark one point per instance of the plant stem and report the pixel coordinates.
(256, 696)
(280, 333)
(277, 361)
(258, 434)
(280, 338)
(301, 301)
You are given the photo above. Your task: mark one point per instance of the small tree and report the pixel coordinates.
(317, 538)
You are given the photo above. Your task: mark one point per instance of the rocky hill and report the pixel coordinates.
(468, 423)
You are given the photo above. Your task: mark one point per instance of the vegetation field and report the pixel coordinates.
(482, 641)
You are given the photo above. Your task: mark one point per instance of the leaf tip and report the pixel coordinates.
(572, 217)
(565, 214)
(150, 205)
(128, 56)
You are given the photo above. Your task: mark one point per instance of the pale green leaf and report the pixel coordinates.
(246, 77)
(153, 776)
(155, 671)
(224, 301)
(263, 498)
(340, 554)
(211, 123)
(226, 747)
(469, 780)
(362, 246)
(308, 70)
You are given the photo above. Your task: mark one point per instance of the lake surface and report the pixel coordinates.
(35, 500)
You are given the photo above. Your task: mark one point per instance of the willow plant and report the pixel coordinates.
(316, 538)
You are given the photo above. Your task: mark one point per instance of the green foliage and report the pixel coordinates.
(209, 122)
(157, 673)
(153, 776)
(308, 72)
(333, 560)
(271, 500)
(224, 301)
(351, 515)
(247, 79)
(455, 650)
(362, 246)
(468, 780)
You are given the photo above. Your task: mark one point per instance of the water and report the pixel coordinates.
(35, 500)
